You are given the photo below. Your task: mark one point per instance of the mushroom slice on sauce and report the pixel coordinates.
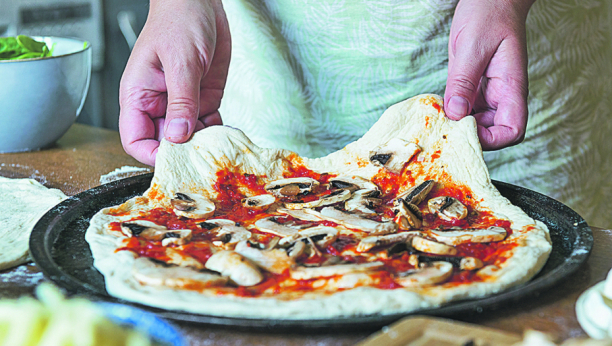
(235, 266)
(322, 236)
(148, 272)
(275, 260)
(181, 260)
(137, 227)
(488, 272)
(151, 231)
(456, 237)
(260, 202)
(463, 263)
(447, 208)
(192, 206)
(352, 182)
(334, 197)
(291, 186)
(430, 246)
(299, 214)
(363, 203)
(394, 154)
(408, 216)
(368, 243)
(296, 250)
(269, 225)
(177, 237)
(434, 273)
(230, 235)
(306, 273)
(213, 224)
(418, 193)
(354, 221)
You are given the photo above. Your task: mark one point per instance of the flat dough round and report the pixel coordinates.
(23, 203)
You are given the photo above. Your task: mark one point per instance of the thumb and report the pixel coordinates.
(183, 87)
(466, 68)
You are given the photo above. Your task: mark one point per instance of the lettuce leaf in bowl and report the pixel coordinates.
(23, 47)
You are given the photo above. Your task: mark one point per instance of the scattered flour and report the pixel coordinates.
(22, 273)
(120, 173)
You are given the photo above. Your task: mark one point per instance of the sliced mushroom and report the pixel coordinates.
(430, 246)
(230, 235)
(408, 216)
(488, 272)
(322, 236)
(148, 272)
(456, 237)
(354, 221)
(291, 186)
(447, 208)
(428, 275)
(182, 260)
(368, 243)
(306, 273)
(352, 182)
(299, 214)
(233, 265)
(463, 263)
(362, 203)
(260, 202)
(151, 231)
(275, 260)
(269, 225)
(137, 227)
(332, 198)
(470, 263)
(177, 237)
(296, 250)
(192, 206)
(418, 193)
(213, 224)
(394, 154)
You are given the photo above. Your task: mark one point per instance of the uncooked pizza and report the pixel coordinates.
(403, 219)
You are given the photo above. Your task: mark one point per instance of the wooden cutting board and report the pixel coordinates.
(430, 331)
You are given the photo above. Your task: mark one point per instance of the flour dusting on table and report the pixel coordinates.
(123, 172)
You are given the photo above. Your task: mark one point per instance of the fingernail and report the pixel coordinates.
(177, 128)
(457, 107)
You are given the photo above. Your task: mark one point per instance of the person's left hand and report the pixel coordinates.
(487, 69)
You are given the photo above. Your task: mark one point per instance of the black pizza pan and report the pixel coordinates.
(58, 247)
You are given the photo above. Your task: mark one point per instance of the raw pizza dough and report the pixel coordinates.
(23, 203)
(191, 167)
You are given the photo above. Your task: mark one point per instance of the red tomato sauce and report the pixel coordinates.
(145, 249)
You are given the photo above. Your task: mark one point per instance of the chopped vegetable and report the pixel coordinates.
(55, 321)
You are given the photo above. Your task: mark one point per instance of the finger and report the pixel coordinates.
(510, 89)
(506, 128)
(212, 119)
(499, 136)
(183, 77)
(469, 61)
(138, 135)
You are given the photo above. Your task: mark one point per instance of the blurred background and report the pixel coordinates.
(111, 26)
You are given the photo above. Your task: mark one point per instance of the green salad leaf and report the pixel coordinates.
(23, 47)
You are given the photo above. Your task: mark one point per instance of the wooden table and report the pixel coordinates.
(85, 153)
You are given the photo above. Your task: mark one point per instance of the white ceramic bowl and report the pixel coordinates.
(40, 98)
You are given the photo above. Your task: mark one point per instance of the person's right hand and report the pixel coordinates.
(174, 80)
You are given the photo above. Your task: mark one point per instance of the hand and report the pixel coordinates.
(487, 69)
(174, 80)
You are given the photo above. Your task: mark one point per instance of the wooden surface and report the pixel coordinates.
(85, 153)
